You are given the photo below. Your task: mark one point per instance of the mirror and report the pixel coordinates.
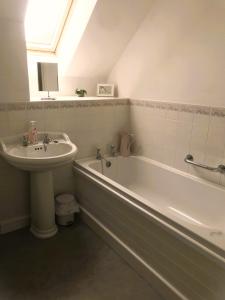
(47, 78)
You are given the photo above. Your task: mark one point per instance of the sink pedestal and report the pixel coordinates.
(42, 205)
(39, 160)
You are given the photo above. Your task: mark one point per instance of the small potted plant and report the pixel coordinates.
(80, 92)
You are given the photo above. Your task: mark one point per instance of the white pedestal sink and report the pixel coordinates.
(39, 160)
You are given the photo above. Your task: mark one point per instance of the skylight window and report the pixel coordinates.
(44, 23)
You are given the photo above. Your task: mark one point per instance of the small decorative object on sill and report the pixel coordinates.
(80, 93)
(105, 90)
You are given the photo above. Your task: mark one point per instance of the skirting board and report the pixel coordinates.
(160, 284)
(14, 224)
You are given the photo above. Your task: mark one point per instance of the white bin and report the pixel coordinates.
(65, 207)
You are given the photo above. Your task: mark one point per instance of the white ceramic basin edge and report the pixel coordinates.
(59, 151)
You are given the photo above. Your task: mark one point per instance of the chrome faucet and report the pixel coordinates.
(25, 140)
(46, 141)
(99, 156)
(112, 150)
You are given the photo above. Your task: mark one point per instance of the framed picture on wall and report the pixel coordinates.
(105, 90)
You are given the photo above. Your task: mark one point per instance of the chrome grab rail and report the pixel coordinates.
(190, 160)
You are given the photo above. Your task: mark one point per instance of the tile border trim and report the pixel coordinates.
(57, 104)
(181, 107)
(104, 102)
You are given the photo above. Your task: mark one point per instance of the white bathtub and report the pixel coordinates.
(191, 210)
(196, 204)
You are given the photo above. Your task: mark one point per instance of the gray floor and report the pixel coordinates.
(75, 264)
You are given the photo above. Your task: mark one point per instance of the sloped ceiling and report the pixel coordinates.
(13, 10)
(177, 54)
(111, 26)
(103, 38)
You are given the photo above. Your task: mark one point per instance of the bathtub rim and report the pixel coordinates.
(131, 198)
(91, 159)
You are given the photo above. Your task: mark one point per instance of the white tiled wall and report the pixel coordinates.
(88, 126)
(167, 133)
(163, 131)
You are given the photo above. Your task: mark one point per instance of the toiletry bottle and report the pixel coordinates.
(35, 135)
(125, 144)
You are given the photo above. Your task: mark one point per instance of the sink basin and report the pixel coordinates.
(39, 160)
(36, 157)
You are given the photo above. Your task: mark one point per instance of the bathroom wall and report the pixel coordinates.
(92, 41)
(177, 54)
(167, 132)
(88, 123)
(174, 68)
(13, 65)
(75, 26)
(95, 124)
(108, 31)
(67, 83)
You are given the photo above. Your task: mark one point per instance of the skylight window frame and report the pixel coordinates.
(54, 44)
